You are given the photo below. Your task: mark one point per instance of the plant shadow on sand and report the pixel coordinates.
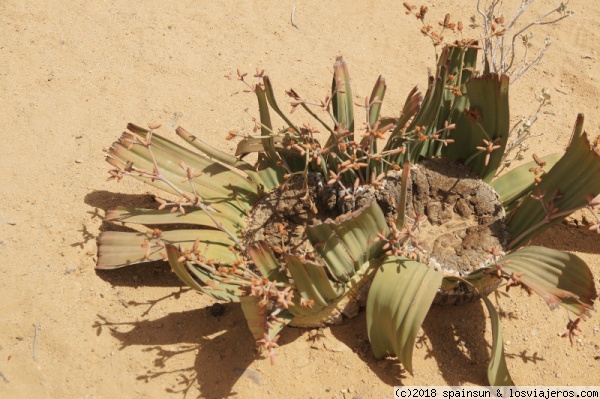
(454, 335)
(222, 344)
(449, 338)
(567, 236)
(218, 334)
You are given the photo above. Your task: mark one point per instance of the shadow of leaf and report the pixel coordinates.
(151, 274)
(221, 345)
(566, 236)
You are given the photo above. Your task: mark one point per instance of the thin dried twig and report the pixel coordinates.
(35, 338)
(499, 51)
(292, 19)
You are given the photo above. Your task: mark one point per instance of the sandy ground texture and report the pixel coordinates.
(73, 73)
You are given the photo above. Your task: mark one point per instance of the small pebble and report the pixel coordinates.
(79, 161)
(70, 270)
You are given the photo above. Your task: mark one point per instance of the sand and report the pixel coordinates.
(73, 73)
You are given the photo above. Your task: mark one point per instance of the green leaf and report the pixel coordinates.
(376, 100)
(560, 278)
(375, 104)
(272, 177)
(194, 278)
(211, 151)
(347, 294)
(487, 119)
(399, 299)
(263, 258)
(219, 155)
(439, 107)
(273, 103)
(250, 145)
(573, 177)
(401, 207)
(266, 126)
(515, 184)
(342, 101)
(350, 241)
(117, 249)
(217, 185)
(221, 288)
(166, 217)
(312, 282)
(280, 141)
(256, 317)
(179, 269)
(498, 374)
(168, 155)
(411, 107)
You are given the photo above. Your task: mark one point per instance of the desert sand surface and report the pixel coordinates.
(74, 73)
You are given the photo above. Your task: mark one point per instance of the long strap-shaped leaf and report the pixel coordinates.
(256, 317)
(249, 145)
(439, 107)
(498, 374)
(342, 101)
(399, 299)
(513, 185)
(376, 100)
(266, 127)
(350, 242)
(166, 217)
(117, 249)
(265, 260)
(231, 194)
(575, 176)
(228, 206)
(375, 104)
(560, 278)
(312, 282)
(168, 155)
(347, 293)
(273, 103)
(221, 156)
(190, 277)
(487, 119)
(268, 178)
(452, 73)
(411, 107)
(281, 144)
